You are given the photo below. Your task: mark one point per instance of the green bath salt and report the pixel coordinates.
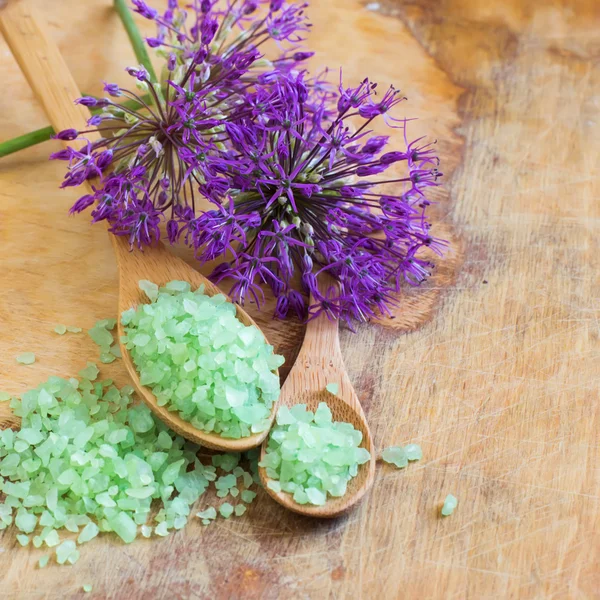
(311, 456)
(86, 460)
(450, 503)
(200, 361)
(27, 358)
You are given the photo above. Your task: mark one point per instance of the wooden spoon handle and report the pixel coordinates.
(43, 66)
(321, 340)
(52, 82)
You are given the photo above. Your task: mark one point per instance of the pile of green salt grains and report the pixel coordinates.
(311, 456)
(87, 460)
(200, 361)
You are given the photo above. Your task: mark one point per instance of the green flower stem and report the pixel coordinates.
(41, 135)
(139, 46)
(24, 141)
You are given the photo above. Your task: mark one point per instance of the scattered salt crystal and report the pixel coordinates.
(209, 513)
(89, 532)
(226, 510)
(395, 455)
(64, 551)
(43, 561)
(27, 358)
(413, 452)
(248, 496)
(333, 388)
(60, 329)
(450, 503)
(87, 588)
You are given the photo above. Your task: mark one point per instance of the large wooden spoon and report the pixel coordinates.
(53, 84)
(319, 363)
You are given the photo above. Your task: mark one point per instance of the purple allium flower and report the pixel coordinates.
(66, 135)
(151, 159)
(306, 195)
(299, 184)
(227, 30)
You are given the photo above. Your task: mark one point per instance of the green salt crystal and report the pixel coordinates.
(106, 358)
(31, 436)
(101, 336)
(71, 329)
(5, 396)
(248, 496)
(27, 358)
(395, 455)
(171, 473)
(60, 329)
(87, 588)
(43, 561)
(209, 513)
(177, 286)
(21, 446)
(239, 510)
(23, 539)
(52, 539)
(274, 485)
(206, 521)
(300, 496)
(115, 350)
(226, 510)
(225, 482)
(73, 557)
(161, 529)
(25, 521)
(333, 388)
(450, 503)
(316, 496)
(146, 531)
(413, 452)
(64, 551)
(149, 288)
(124, 526)
(46, 520)
(89, 532)
(247, 477)
(90, 372)
(234, 492)
(323, 413)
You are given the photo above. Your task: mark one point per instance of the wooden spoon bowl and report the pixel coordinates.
(319, 363)
(158, 265)
(53, 84)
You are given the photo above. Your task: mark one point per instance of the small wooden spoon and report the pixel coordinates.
(319, 363)
(50, 79)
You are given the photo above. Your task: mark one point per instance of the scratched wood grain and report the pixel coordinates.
(498, 383)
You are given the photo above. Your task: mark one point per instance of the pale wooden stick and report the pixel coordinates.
(44, 67)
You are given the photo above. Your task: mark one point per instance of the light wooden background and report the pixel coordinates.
(492, 367)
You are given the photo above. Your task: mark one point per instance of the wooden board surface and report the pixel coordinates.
(498, 379)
